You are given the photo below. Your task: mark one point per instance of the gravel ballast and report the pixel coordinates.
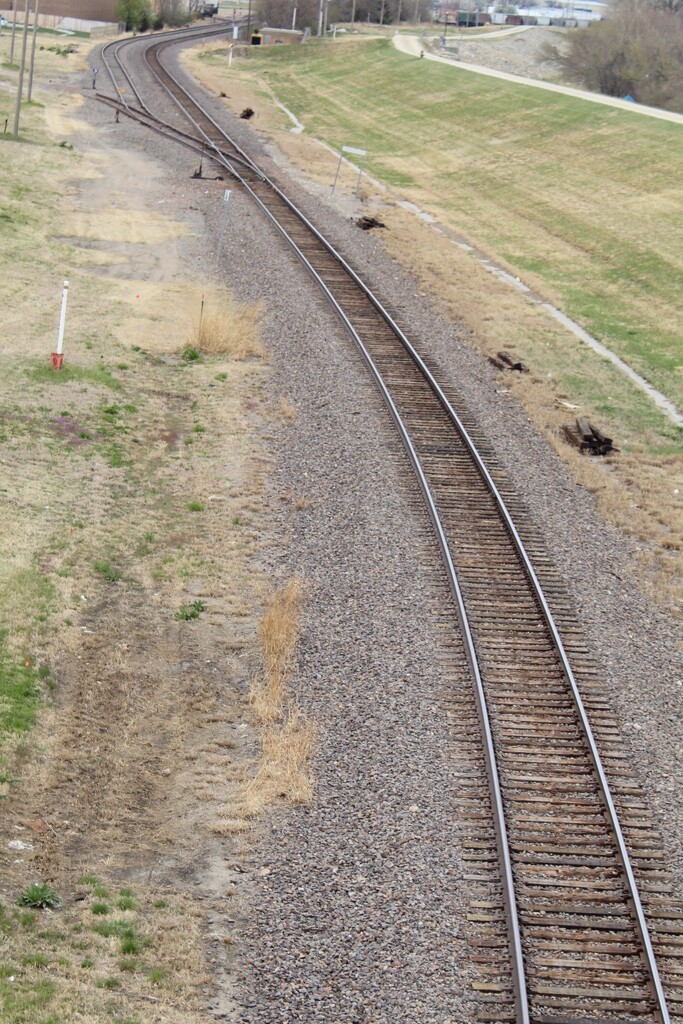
(360, 911)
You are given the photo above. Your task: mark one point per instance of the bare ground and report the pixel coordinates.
(135, 481)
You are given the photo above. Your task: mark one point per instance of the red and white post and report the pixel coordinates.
(57, 358)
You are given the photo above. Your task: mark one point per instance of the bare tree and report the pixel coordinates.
(279, 13)
(637, 51)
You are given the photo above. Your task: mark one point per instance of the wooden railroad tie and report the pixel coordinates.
(505, 361)
(368, 223)
(587, 438)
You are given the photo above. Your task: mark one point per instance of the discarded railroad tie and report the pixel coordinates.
(368, 223)
(587, 438)
(505, 361)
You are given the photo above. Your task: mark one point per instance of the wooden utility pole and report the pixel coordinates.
(14, 29)
(353, 11)
(33, 51)
(20, 86)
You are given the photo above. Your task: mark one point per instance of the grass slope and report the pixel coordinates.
(583, 201)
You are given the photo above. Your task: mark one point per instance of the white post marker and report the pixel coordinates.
(226, 200)
(57, 357)
(354, 152)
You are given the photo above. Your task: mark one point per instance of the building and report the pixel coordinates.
(277, 37)
(68, 15)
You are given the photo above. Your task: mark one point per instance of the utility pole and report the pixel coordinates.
(33, 50)
(326, 8)
(381, 13)
(20, 86)
(320, 18)
(353, 11)
(14, 29)
(294, 18)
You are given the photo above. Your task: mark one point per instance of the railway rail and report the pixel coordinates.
(565, 933)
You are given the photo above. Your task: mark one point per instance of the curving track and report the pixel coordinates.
(564, 934)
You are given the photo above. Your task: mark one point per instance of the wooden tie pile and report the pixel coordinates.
(505, 361)
(588, 438)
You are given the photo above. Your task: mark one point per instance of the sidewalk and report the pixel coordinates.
(413, 46)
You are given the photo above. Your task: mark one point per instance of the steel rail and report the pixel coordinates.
(502, 841)
(178, 36)
(636, 905)
(519, 982)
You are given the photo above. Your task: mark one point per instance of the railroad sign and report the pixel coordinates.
(354, 152)
(95, 70)
(226, 196)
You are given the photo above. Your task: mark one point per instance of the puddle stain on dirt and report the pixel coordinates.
(70, 430)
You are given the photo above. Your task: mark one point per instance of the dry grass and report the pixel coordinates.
(283, 773)
(278, 633)
(90, 977)
(287, 736)
(234, 332)
(287, 410)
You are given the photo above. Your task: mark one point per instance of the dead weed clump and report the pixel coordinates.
(234, 332)
(279, 632)
(283, 774)
(287, 737)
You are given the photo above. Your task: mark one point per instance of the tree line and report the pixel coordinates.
(280, 13)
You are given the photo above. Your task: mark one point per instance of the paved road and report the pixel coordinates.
(412, 45)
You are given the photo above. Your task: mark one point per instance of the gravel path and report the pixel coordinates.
(359, 912)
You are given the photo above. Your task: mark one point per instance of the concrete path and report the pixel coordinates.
(412, 46)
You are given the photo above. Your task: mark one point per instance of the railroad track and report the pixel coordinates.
(563, 934)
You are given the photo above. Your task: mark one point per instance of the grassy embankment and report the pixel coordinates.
(583, 202)
(131, 486)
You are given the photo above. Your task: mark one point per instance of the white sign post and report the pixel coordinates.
(354, 152)
(57, 357)
(226, 200)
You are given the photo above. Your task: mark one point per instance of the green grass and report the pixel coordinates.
(190, 611)
(126, 900)
(72, 372)
(110, 573)
(40, 896)
(19, 696)
(583, 198)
